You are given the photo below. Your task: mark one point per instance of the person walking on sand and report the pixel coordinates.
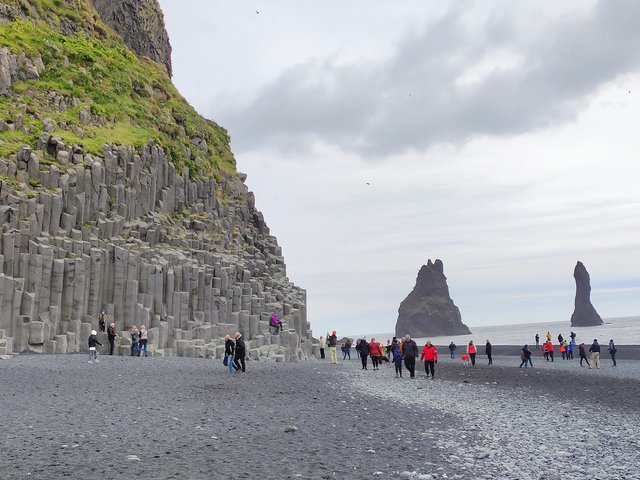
(144, 340)
(397, 361)
(430, 357)
(410, 353)
(333, 342)
(323, 344)
(595, 353)
(389, 350)
(570, 351)
(452, 350)
(93, 352)
(537, 341)
(583, 355)
(487, 351)
(612, 352)
(545, 351)
(346, 353)
(229, 348)
(240, 353)
(562, 350)
(364, 352)
(375, 351)
(111, 336)
(471, 351)
(526, 357)
(550, 349)
(134, 341)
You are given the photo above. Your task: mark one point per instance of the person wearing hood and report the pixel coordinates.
(430, 357)
(612, 352)
(364, 352)
(594, 349)
(410, 353)
(240, 352)
(93, 352)
(333, 342)
(487, 350)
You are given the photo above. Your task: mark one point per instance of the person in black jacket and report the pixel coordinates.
(93, 341)
(240, 352)
(410, 353)
(364, 352)
(111, 335)
(583, 355)
(487, 350)
(229, 351)
(332, 342)
(595, 353)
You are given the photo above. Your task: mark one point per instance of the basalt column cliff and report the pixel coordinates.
(116, 194)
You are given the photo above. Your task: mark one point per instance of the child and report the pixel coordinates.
(397, 361)
(93, 341)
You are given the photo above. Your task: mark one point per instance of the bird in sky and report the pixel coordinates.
(257, 12)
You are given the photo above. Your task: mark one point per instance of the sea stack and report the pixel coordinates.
(428, 310)
(584, 314)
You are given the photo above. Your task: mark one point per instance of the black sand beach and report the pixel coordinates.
(187, 418)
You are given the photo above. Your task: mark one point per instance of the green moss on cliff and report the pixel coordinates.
(132, 99)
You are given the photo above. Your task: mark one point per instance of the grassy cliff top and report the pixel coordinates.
(131, 100)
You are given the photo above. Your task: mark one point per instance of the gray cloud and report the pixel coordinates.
(414, 99)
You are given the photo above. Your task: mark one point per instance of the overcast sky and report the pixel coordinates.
(499, 136)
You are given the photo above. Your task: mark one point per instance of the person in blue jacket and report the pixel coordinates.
(612, 352)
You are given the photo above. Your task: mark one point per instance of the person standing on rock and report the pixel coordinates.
(111, 335)
(375, 350)
(323, 344)
(333, 342)
(93, 352)
(430, 357)
(240, 353)
(471, 351)
(452, 350)
(364, 352)
(410, 353)
(134, 341)
(229, 349)
(548, 336)
(595, 353)
(573, 337)
(102, 319)
(583, 355)
(560, 338)
(537, 341)
(487, 351)
(144, 340)
(612, 351)
(275, 323)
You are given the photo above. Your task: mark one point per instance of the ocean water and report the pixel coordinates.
(624, 331)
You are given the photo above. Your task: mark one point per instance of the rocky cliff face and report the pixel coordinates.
(115, 194)
(428, 310)
(140, 23)
(584, 314)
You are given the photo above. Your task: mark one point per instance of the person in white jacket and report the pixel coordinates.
(323, 344)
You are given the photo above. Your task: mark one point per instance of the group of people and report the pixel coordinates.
(235, 352)
(566, 348)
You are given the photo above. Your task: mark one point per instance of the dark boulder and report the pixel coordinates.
(584, 314)
(428, 310)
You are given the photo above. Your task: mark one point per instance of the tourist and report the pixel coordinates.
(471, 351)
(240, 352)
(583, 355)
(573, 337)
(375, 351)
(570, 351)
(394, 344)
(410, 353)
(102, 319)
(111, 336)
(430, 357)
(560, 338)
(550, 348)
(562, 350)
(323, 344)
(595, 353)
(144, 340)
(487, 351)
(333, 342)
(229, 348)
(452, 350)
(346, 350)
(275, 324)
(537, 341)
(397, 361)
(526, 357)
(364, 352)
(548, 336)
(389, 349)
(134, 341)
(93, 341)
(545, 351)
(612, 352)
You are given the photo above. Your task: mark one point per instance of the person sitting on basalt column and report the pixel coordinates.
(275, 323)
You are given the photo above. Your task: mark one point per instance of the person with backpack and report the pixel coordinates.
(93, 352)
(430, 357)
(410, 353)
(134, 341)
(612, 351)
(583, 355)
(364, 352)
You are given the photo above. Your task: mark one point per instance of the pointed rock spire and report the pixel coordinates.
(584, 314)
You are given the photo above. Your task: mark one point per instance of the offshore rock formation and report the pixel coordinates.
(584, 315)
(140, 23)
(162, 233)
(428, 310)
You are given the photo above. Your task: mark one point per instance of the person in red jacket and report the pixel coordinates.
(430, 357)
(375, 351)
(550, 349)
(471, 350)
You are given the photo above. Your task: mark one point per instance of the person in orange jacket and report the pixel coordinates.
(375, 352)
(471, 350)
(563, 350)
(430, 357)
